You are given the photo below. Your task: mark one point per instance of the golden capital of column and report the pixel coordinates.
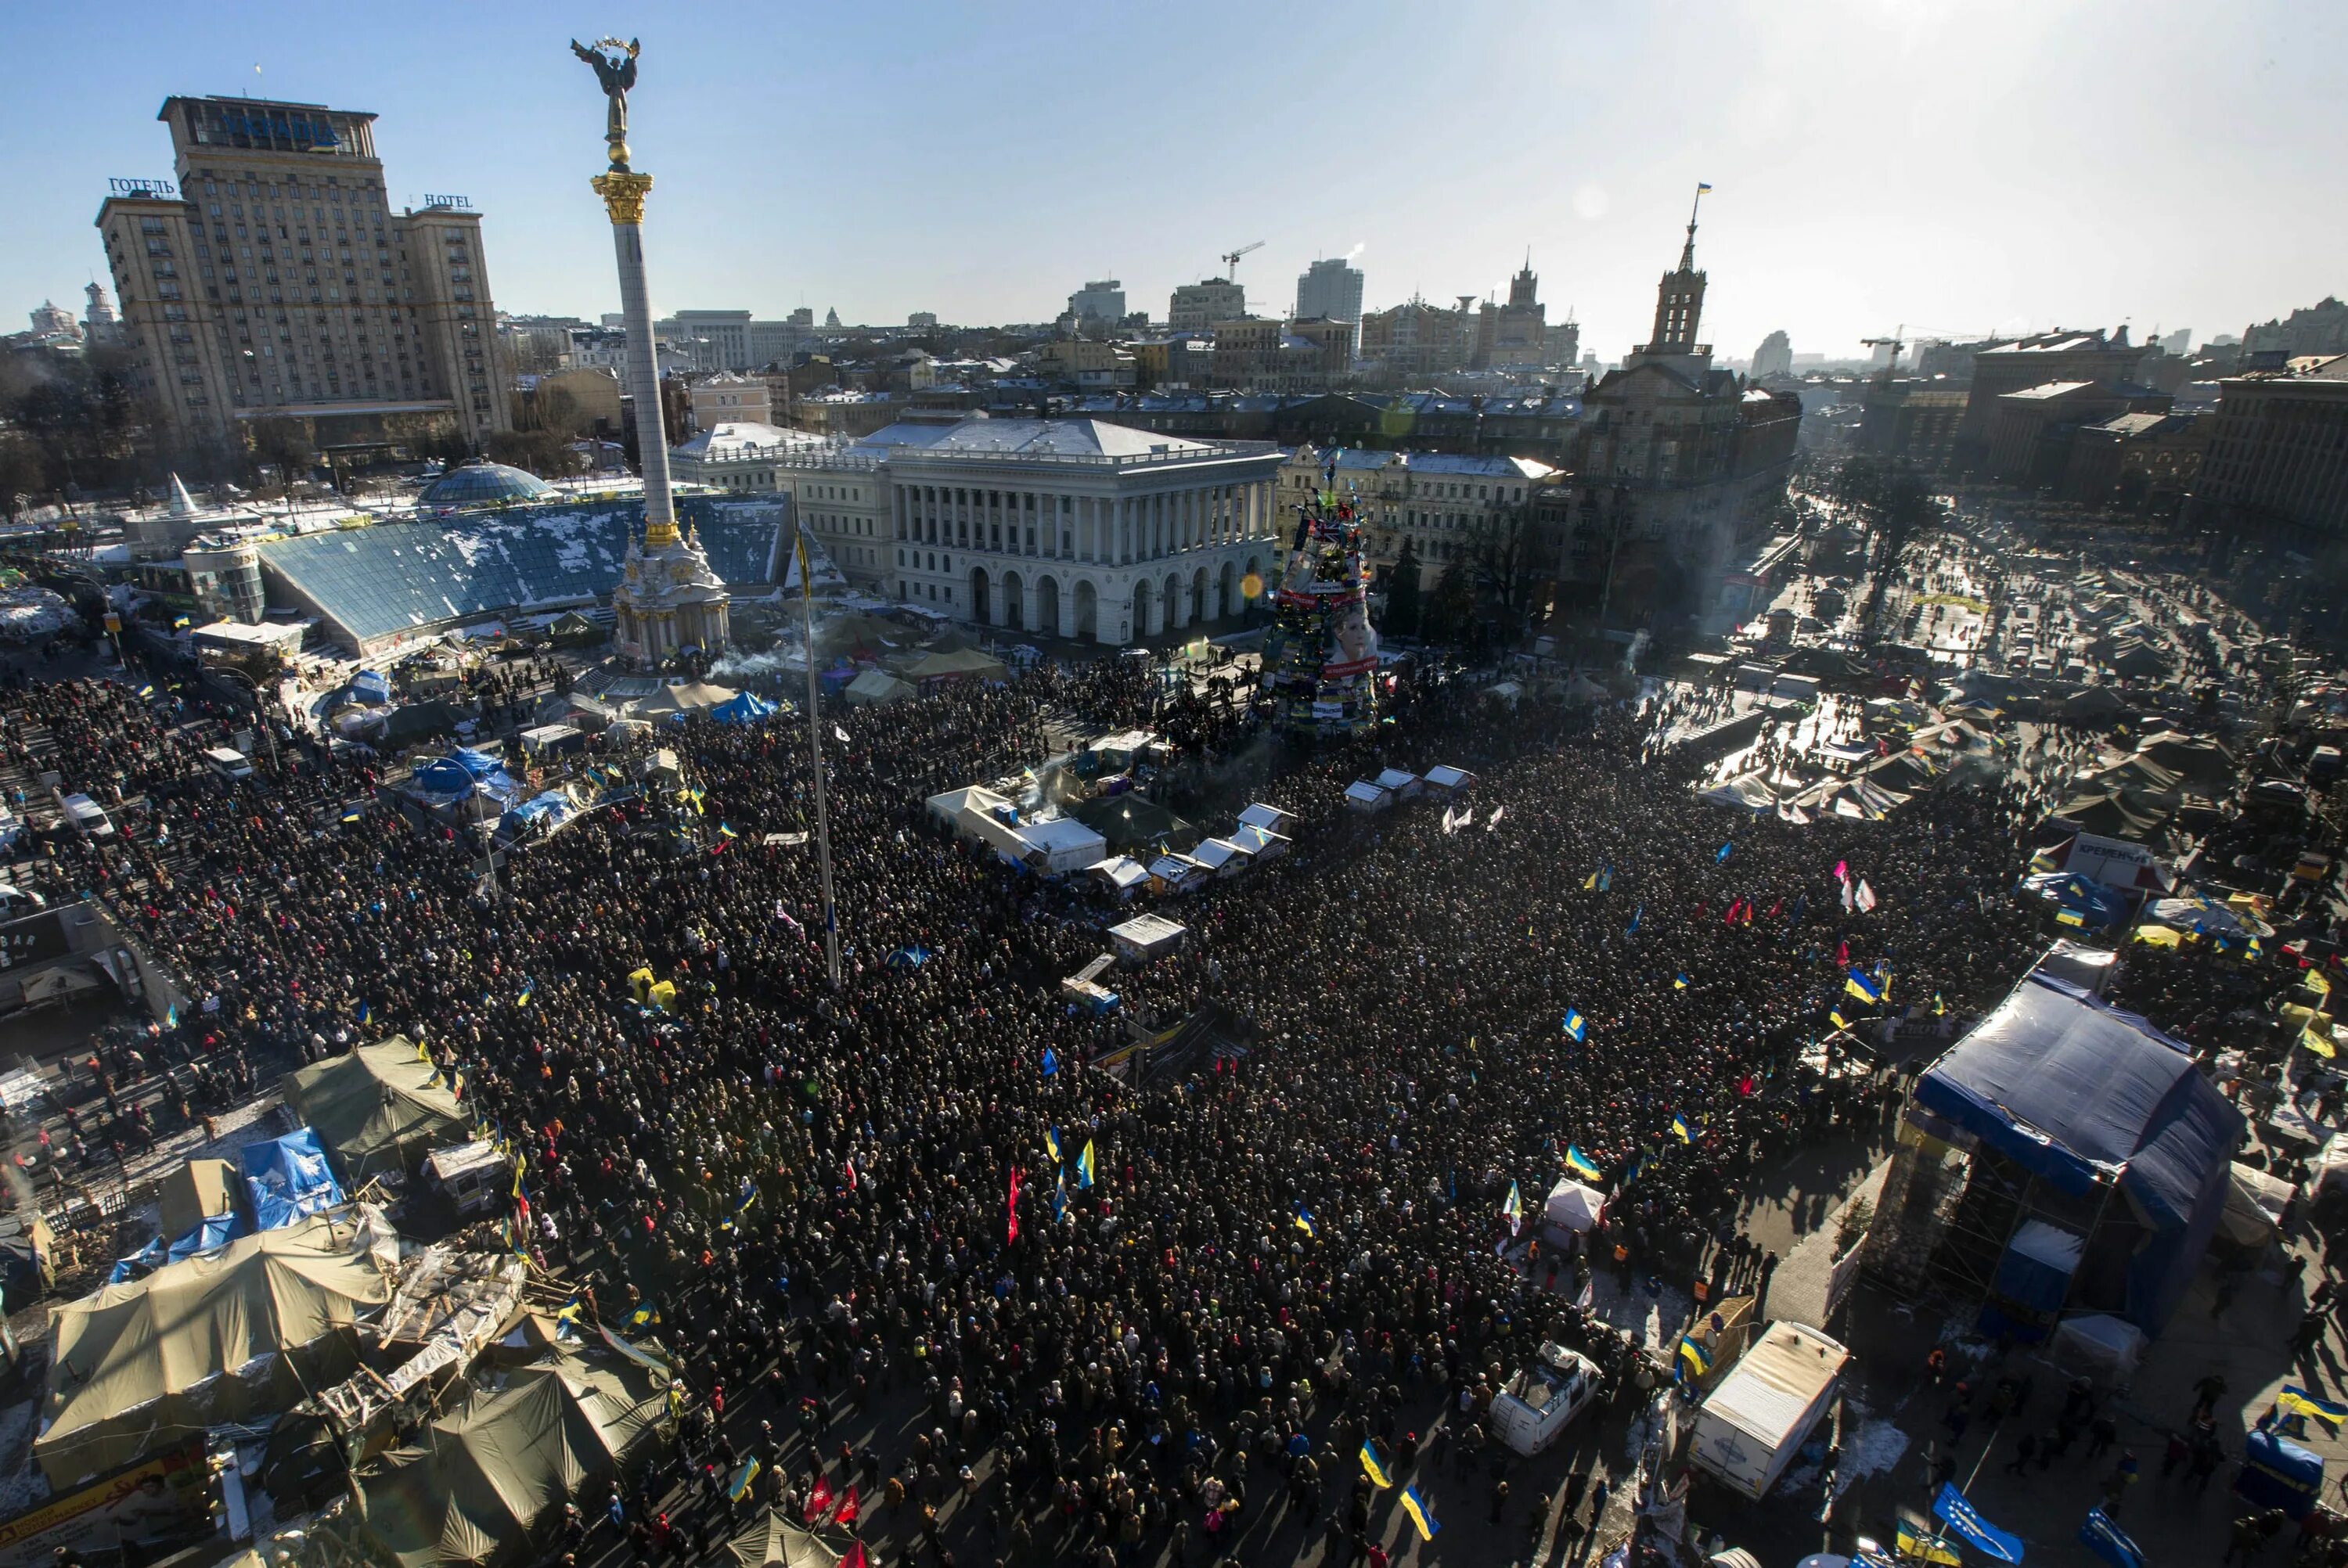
(659, 536)
(624, 195)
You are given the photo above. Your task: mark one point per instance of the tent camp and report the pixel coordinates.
(1131, 822)
(774, 1542)
(142, 1366)
(1261, 843)
(380, 1108)
(418, 721)
(690, 697)
(490, 1478)
(877, 688)
(2101, 1125)
(1121, 874)
(968, 664)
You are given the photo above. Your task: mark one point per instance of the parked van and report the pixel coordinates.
(86, 815)
(228, 762)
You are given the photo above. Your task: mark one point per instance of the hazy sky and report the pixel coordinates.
(1962, 167)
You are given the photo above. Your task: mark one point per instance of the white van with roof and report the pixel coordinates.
(86, 815)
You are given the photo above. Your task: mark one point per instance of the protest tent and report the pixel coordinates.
(288, 1179)
(1179, 873)
(1065, 844)
(876, 688)
(774, 1542)
(147, 1366)
(965, 664)
(1365, 796)
(2087, 1117)
(681, 698)
(1442, 776)
(1745, 793)
(193, 1192)
(1399, 783)
(2090, 906)
(490, 1479)
(380, 1108)
(742, 707)
(1130, 823)
(1120, 874)
(1573, 1207)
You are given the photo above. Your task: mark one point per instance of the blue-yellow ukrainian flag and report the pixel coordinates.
(2072, 917)
(364, 1012)
(1679, 982)
(1704, 185)
(1374, 1465)
(1512, 1207)
(1085, 1165)
(1694, 1357)
(646, 1315)
(740, 1487)
(1681, 1129)
(1422, 1513)
(2297, 1401)
(1918, 1547)
(1303, 1222)
(1590, 883)
(1861, 987)
(1576, 1025)
(1052, 1144)
(1579, 1163)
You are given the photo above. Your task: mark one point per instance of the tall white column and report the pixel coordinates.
(623, 198)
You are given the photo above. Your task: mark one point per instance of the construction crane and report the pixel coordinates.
(1895, 343)
(1232, 260)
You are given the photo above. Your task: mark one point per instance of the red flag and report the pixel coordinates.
(856, 1558)
(1842, 953)
(1780, 904)
(1730, 918)
(1014, 1226)
(1745, 1086)
(846, 1513)
(819, 1502)
(1748, 912)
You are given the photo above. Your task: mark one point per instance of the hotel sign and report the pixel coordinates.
(458, 201)
(141, 187)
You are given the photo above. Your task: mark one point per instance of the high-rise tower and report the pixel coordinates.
(1679, 309)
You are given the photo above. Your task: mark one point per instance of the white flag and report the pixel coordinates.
(1865, 897)
(1846, 895)
(1495, 819)
(841, 733)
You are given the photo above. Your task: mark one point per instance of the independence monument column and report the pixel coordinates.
(669, 599)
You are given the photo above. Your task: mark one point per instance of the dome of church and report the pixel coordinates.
(485, 485)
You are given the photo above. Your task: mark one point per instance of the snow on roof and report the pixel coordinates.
(735, 438)
(1063, 438)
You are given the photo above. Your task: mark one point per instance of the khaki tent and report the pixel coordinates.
(877, 688)
(377, 1109)
(693, 697)
(501, 1466)
(967, 665)
(141, 1366)
(774, 1542)
(194, 1192)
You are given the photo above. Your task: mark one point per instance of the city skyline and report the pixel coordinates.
(1999, 210)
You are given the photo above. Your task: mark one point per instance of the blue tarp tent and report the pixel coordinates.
(742, 707)
(372, 687)
(2072, 1089)
(443, 779)
(2096, 905)
(553, 806)
(480, 764)
(288, 1178)
(205, 1235)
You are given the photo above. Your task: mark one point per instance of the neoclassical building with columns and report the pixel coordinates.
(1064, 528)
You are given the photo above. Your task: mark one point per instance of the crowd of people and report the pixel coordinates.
(1294, 1244)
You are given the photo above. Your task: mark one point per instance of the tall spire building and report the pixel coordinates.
(1678, 309)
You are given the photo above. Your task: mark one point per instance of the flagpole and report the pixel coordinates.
(815, 755)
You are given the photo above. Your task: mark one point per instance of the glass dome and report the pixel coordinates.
(484, 485)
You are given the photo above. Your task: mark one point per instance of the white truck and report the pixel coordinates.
(1539, 1402)
(1756, 1419)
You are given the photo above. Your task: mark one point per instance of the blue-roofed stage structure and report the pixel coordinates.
(372, 587)
(2062, 1158)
